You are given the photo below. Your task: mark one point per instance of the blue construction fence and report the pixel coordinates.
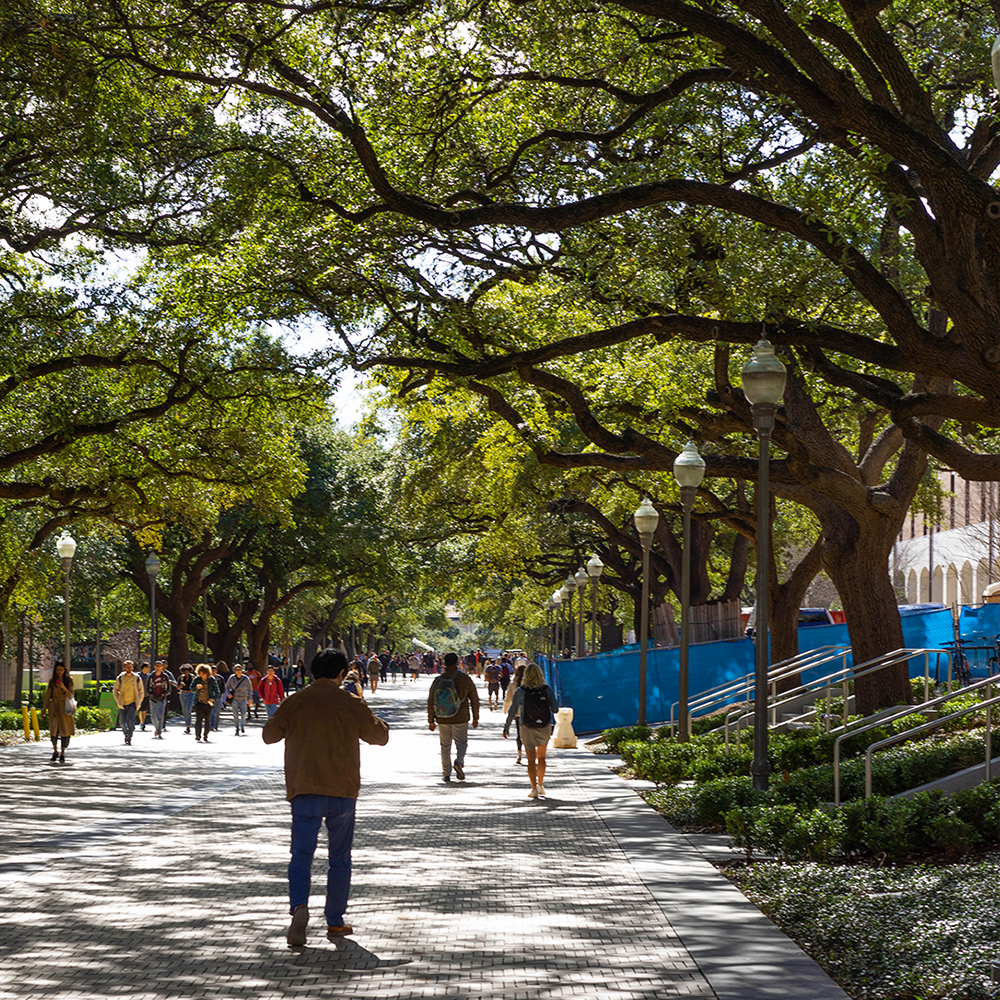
(603, 690)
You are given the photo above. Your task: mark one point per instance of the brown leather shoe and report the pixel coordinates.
(336, 932)
(297, 931)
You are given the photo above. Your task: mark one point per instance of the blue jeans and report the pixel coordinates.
(216, 710)
(308, 813)
(187, 704)
(271, 709)
(158, 710)
(126, 716)
(239, 713)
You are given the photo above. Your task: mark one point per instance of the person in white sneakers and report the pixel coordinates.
(534, 702)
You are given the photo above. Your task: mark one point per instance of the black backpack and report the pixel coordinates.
(536, 710)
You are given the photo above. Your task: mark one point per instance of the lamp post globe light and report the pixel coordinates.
(594, 570)
(689, 470)
(646, 519)
(763, 379)
(66, 549)
(581, 588)
(152, 568)
(569, 588)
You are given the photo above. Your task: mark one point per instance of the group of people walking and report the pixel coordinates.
(203, 691)
(322, 728)
(529, 702)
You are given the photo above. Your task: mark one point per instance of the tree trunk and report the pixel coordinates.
(259, 642)
(611, 631)
(786, 599)
(855, 557)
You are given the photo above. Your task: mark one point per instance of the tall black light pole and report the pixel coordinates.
(557, 598)
(581, 589)
(646, 518)
(204, 610)
(66, 547)
(152, 568)
(569, 588)
(763, 385)
(689, 470)
(594, 570)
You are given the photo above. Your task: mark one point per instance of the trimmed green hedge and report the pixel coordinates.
(895, 828)
(86, 718)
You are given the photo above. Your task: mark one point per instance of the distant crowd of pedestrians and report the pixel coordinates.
(203, 691)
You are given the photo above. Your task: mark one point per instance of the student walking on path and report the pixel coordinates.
(450, 701)
(158, 688)
(128, 693)
(272, 691)
(536, 703)
(322, 726)
(185, 692)
(239, 691)
(206, 694)
(508, 698)
(61, 726)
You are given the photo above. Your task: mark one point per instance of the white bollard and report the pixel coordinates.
(564, 735)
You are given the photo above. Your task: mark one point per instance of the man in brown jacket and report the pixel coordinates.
(452, 695)
(321, 726)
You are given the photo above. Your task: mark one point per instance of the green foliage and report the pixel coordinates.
(894, 828)
(914, 931)
(85, 718)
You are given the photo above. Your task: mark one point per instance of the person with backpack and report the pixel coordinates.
(352, 682)
(159, 686)
(536, 703)
(450, 701)
(239, 690)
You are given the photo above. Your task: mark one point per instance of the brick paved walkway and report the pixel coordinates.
(159, 871)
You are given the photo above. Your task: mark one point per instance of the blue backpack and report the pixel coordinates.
(446, 700)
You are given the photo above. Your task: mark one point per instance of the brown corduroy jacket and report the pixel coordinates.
(321, 726)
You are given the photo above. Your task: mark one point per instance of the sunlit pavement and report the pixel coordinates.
(158, 870)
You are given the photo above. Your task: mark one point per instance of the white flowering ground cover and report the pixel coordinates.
(912, 932)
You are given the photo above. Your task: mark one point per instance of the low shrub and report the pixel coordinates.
(614, 738)
(86, 718)
(878, 826)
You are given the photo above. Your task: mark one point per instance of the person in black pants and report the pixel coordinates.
(206, 691)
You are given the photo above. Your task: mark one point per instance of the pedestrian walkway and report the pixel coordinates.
(158, 871)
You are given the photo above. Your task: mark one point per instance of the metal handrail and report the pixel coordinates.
(902, 713)
(846, 675)
(774, 699)
(720, 693)
(987, 703)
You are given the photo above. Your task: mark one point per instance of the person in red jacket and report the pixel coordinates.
(272, 691)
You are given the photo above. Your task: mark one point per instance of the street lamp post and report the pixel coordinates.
(581, 588)
(66, 547)
(763, 385)
(152, 568)
(689, 469)
(594, 570)
(549, 607)
(97, 651)
(569, 587)
(646, 518)
(204, 610)
(557, 600)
